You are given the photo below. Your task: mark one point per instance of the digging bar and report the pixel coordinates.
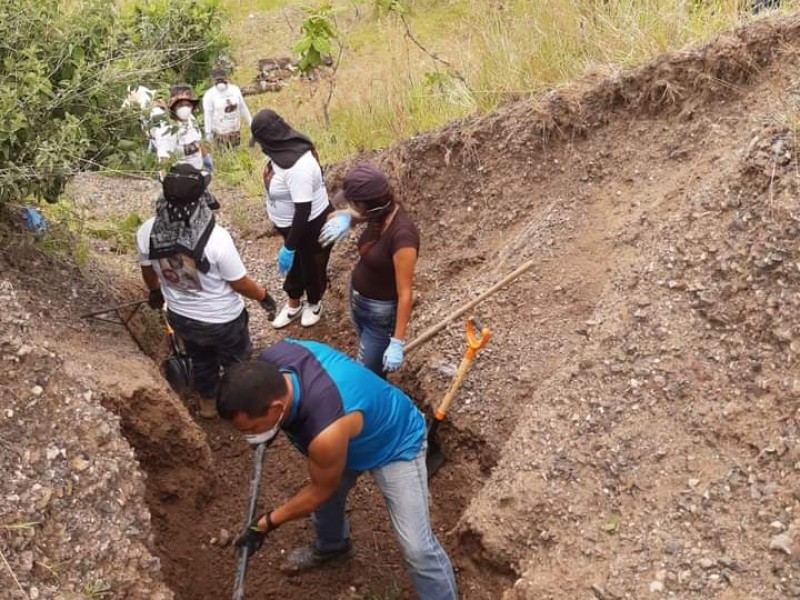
(436, 456)
(97, 314)
(433, 330)
(241, 569)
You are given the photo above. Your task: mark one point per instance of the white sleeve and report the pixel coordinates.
(300, 181)
(143, 242)
(162, 139)
(208, 112)
(229, 263)
(248, 118)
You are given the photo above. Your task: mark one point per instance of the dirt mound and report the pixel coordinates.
(74, 521)
(632, 429)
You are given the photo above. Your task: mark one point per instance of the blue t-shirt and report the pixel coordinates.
(333, 385)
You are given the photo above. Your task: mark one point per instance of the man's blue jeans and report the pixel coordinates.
(404, 485)
(374, 321)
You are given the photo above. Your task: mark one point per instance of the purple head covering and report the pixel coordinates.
(366, 183)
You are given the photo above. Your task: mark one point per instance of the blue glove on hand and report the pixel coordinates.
(336, 229)
(285, 260)
(393, 357)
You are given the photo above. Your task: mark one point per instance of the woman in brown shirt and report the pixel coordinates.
(381, 286)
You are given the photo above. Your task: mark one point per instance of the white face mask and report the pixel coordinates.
(183, 113)
(221, 86)
(266, 436)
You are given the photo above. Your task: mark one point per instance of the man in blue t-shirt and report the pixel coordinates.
(346, 420)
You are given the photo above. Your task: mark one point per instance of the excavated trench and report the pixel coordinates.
(197, 495)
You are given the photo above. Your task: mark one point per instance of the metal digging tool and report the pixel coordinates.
(101, 315)
(177, 368)
(436, 456)
(241, 569)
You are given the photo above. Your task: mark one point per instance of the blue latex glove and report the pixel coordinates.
(285, 260)
(336, 229)
(393, 357)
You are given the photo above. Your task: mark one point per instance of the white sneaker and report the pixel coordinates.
(311, 314)
(287, 315)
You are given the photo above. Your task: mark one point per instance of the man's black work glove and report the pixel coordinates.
(269, 305)
(156, 299)
(253, 537)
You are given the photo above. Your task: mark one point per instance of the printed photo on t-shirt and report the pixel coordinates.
(180, 272)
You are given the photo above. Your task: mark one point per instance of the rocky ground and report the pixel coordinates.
(631, 431)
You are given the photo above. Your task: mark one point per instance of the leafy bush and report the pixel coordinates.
(188, 35)
(64, 71)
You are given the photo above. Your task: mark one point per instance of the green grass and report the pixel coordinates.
(387, 89)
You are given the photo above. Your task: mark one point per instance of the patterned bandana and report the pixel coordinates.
(184, 221)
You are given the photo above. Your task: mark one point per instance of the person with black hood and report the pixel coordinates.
(382, 283)
(192, 263)
(297, 204)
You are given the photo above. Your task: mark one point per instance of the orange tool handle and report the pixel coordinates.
(474, 344)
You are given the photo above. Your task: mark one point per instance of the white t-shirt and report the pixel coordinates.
(206, 297)
(302, 182)
(222, 111)
(181, 139)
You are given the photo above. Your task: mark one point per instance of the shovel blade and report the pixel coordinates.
(434, 460)
(435, 457)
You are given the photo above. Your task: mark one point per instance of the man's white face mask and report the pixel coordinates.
(183, 113)
(266, 436)
(221, 86)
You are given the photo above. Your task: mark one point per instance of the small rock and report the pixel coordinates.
(33, 593)
(79, 463)
(672, 546)
(224, 537)
(24, 350)
(599, 592)
(37, 390)
(777, 525)
(706, 563)
(781, 542)
(656, 587)
(693, 483)
(26, 561)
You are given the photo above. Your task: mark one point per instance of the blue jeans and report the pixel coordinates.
(404, 485)
(374, 321)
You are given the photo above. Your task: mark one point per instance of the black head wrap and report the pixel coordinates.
(184, 221)
(282, 144)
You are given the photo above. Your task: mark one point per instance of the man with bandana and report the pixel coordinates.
(192, 263)
(347, 421)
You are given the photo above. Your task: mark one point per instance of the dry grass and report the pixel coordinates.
(387, 89)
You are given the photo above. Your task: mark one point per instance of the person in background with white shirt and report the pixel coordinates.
(180, 137)
(192, 263)
(223, 109)
(297, 204)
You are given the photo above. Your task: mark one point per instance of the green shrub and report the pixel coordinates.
(64, 71)
(188, 35)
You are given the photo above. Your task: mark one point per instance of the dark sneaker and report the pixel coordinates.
(308, 558)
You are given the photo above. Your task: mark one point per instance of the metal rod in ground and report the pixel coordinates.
(241, 568)
(113, 308)
(432, 331)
